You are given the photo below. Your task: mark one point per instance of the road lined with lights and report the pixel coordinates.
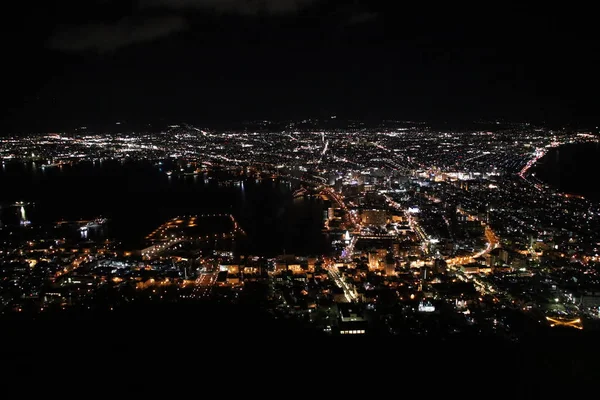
(349, 290)
(76, 263)
(204, 284)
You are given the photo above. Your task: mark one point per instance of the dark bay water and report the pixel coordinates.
(137, 197)
(572, 168)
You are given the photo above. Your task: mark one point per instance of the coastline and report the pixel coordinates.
(553, 176)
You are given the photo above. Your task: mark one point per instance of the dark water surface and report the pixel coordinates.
(137, 197)
(572, 168)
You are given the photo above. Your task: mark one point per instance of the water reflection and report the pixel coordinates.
(243, 192)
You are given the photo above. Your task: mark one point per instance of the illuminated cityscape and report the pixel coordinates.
(304, 188)
(431, 232)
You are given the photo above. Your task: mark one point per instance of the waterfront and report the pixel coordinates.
(427, 253)
(137, 197)
(572, 168)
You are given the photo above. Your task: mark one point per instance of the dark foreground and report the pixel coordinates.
(246, 339)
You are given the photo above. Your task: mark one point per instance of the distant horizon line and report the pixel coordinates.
(222, 123)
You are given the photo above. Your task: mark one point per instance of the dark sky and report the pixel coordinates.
(202, 60)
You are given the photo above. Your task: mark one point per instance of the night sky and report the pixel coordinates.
(219, 60)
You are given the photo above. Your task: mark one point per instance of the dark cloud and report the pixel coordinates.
(248, 7)
(103, 37)
(362, 18)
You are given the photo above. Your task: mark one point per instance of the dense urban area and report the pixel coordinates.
(434, 232)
